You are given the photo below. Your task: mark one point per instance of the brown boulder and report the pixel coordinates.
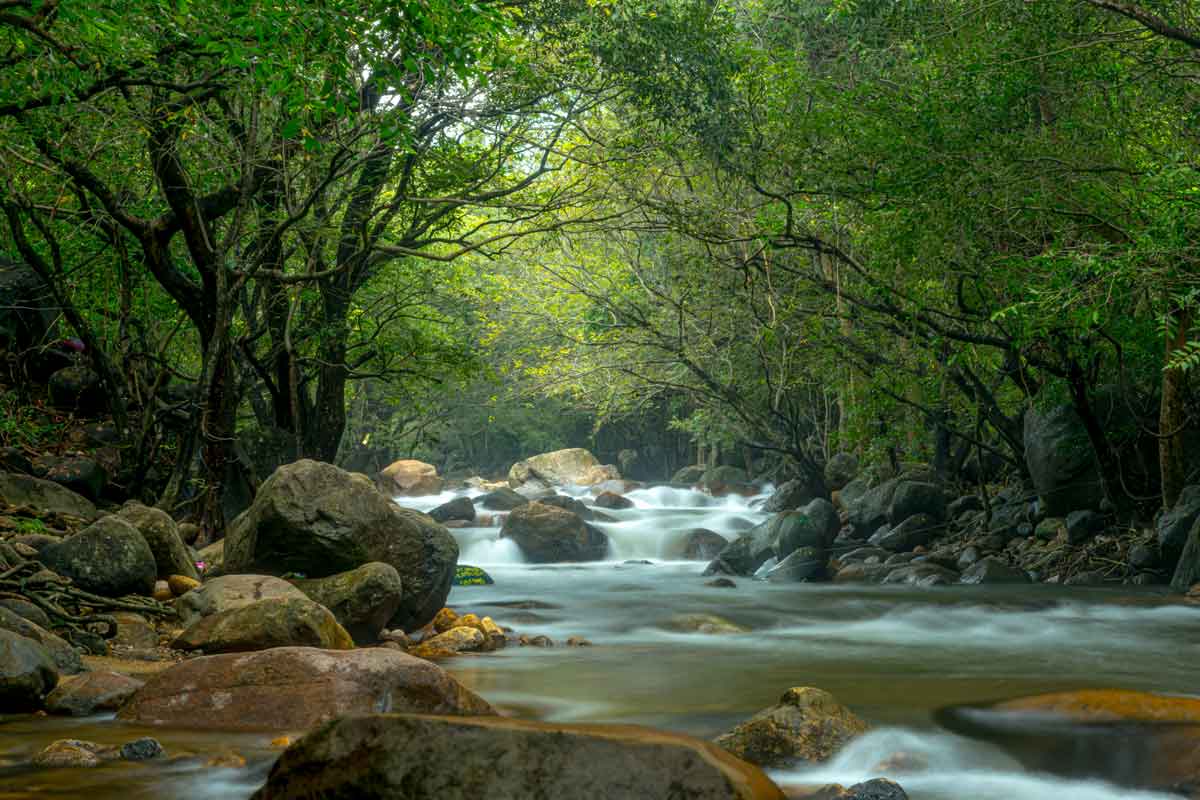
(288, 688)
(89, 692)
(806, 726)
(231, 591)
(431, 758)
(409, 478)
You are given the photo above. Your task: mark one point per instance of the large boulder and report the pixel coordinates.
(289, 688)
(229, 592)
(1174, 524)
(802, 564)
(317, 520)
(26, 304)
(700, 544)
(722, 477)
(840, 469)
(689, 475)
(573, 466)
(363, 600)
(548, 534)
(913, 532)
(91, 693)
(281, 622)
(1187, 571)
(749, 551)
(870, 508)
(792, 530)
(993, 569)
(409, 478)
(790, 496)
(27, 673)
(43, 495)
(806, 726)
(159, 530)
(433, 758)
(916, 497)
(109, 557)
(1061, 462)
(65, 657)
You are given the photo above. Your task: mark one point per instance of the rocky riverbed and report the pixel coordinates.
(616, 604)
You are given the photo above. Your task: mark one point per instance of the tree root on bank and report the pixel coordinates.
(75, 615)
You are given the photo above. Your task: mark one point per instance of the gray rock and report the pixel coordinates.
(27, 673)
(968, 557)
(791, 530)
(803, 564)
(913, 532)
(26, 609)
(917, 497)
(1083, 525)
(158, 529)
(65, 657)
(503, 499)
(870, 510)
(789, 496)
(922, 575)
(825, 517)
(874, 789)
(1060, 461)
(317, 520)
(722, 476)
(1143, 556)
(1187, 571)
(548, 534)
(993, 569)
(77, 388)
(1173, 526)
(279, 622)
(231, 591)
(688, 475)
(964, 504)
(612, 500)
(108, 558)
(362, 600)
(840, 469)
(23, 490)
(700, 544)
(78, 474)
(460, 508)
(745, 554)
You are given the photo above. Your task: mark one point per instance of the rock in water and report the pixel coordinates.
(281, 622)
(289, 688)
(465, 575)
(807, 726)
(109, 558)
(701, 544)
(573, 466)
(317, 520)
(409, 478)
(548, 534)
(435, 758)
(503, 499)
(158, 529)
(460, 508)
(363, 600)
(27, 673)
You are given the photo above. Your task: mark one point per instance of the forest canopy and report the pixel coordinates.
(757, 232)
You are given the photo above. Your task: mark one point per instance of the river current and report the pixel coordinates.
(894, 655)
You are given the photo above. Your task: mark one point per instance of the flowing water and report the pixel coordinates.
(895, 655)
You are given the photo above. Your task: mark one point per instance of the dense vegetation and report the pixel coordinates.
(761, 231)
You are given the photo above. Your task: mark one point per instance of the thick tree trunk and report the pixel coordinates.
(1172, 418)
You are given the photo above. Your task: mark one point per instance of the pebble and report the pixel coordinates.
(181, 584)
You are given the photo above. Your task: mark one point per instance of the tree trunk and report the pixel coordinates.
(1172, 418)
(1107, 463)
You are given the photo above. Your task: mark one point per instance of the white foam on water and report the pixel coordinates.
(951, 768)
(428, 502)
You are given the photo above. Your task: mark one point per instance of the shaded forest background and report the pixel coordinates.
(757, 233)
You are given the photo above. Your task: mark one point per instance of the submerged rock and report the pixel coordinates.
(425, 758)
(702, 623)
(288, 688)
(807, 726)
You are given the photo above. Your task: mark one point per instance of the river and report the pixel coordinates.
(894, 655)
